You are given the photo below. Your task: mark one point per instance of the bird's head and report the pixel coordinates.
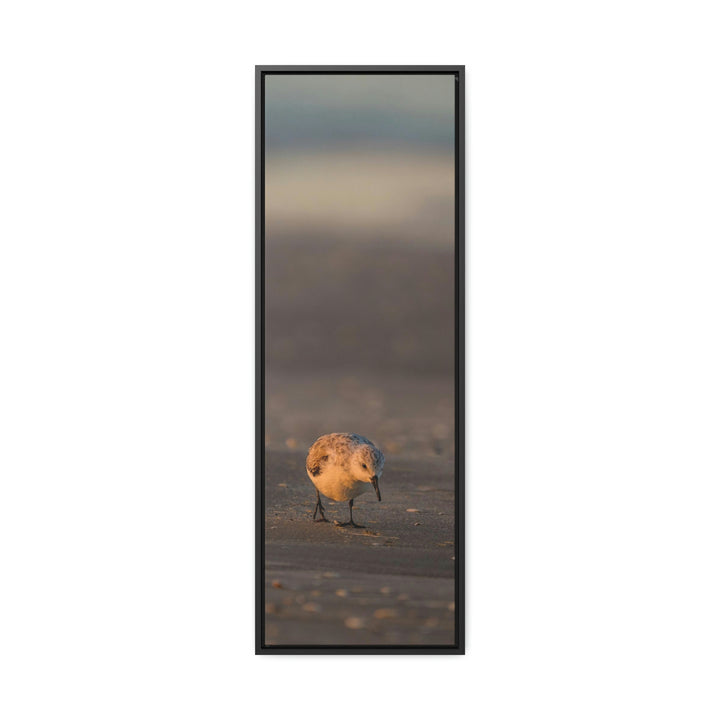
(368, 464)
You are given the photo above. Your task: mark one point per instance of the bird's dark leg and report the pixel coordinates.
(319, 506)
(351, 522)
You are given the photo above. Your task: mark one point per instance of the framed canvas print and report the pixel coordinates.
(360, 237)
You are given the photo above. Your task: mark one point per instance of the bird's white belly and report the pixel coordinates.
(339, 485)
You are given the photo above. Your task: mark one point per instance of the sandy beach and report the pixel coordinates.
(389, 583)
(360, 339)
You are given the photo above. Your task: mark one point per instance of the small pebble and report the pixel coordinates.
(291, 443)
(412, 510)
(355, 623)
(311, 607)
(451, 607)
(330, 575)
(282, 485)
(341, 592)
(383, 613)
(277, 584)
(385, 590)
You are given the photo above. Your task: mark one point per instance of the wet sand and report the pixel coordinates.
(383, 305)
(389, 583)
(404, 414)
(360, 338)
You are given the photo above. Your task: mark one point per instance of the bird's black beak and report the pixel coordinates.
(374, 482)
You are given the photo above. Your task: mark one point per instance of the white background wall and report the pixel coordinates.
(126, 370)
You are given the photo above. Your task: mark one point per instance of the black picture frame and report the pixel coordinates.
(458, 647)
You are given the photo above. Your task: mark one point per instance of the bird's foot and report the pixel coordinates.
(319, 509)
(349, 523)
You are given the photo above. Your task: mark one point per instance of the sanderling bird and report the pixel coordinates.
(343, 466)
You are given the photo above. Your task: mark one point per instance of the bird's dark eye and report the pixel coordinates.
(365, 466)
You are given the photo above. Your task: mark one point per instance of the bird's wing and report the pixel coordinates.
(317, 457)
